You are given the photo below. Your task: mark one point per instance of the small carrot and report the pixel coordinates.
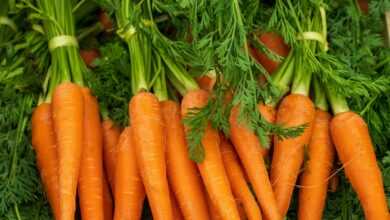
(91, 171)
(294, 110)
(149, 145)
(250, 151)
(89, 56)
(314, 180)
(107, 200)
(237, 181)
(355, 150)
(110, 139)
(129, 190)
(334, 183)
(44, 144)
(206, 82)
(68, 118)
(183, 175)
(211, 169)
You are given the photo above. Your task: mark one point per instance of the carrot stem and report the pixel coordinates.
(337, 101)
(301, 83)
(319, 95)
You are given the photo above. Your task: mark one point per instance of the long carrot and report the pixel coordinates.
(44, 144)
(212, 170)
(107, 200)
(129, 190)
(91, 171)
(314, 180)
(68, 118)
(176, 212)
(250, 151)
(110, 139)
(237, 181)
(183, 176)
(295, 110)
(148, 139)
(356, 152)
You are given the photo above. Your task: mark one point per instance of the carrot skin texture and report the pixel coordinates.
(176, 212)
(129, 190)
(250, 151)
(90, 187)
(355, 150)
(237, 181)
(314, 180)
(68, 118)
(288, 154)
(183, 175)
(111, 135)
(212, 169)
(149, 142)
(44, 144)
(107, 200)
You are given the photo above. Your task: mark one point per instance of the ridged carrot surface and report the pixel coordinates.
(294, 110)
(183, 175)
(212, 169)
(68, 118)
(44, 144)
(90, 187)
(149, 143)
(355, 150)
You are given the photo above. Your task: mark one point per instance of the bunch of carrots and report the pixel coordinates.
(113, 171)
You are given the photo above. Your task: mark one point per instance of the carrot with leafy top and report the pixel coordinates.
(68, 118)
(237, 181)
(129, 190)
(44, 144)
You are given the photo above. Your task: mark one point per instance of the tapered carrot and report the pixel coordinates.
(183, 175)
(211, 168)
(129, 190)
(237, 181)
(148, 139)
(68, 118)
(176, 212)
(356, 152)
(110, 139)
(91, 171)
(107, 200)
(250, 151)
(314, 180)
(295, 110)
(44, 144)
(269, 114)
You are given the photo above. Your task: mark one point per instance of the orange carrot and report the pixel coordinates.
(68, 118)
(269, 114)
(110, 139)
(44, 144)
(129, 190)
(107, 200)
(211, 168)
(356, 152)
(89, 56)
(176, 212)
(182, 172)
(91, 171)
(206, 82)
(249, 150)
(314, 180)
(148, 138)
(295, 110)
(237, 181)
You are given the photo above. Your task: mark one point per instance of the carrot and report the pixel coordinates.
(107, 200)
(176, 212)
(356, 152)
(110, 139)
(314, 180)
(44, 144)
(237, 181)
(89, 56)
(105, 20)
(91, 170)
(211, 168)
(214, 214)
(182, 172)
(363, 6)
(334, 183)
(250, 151)
(269, 114)
(294, 110)
(275, 43)
(206, 82)
(148, 138)
(68, 118)
(129, 190)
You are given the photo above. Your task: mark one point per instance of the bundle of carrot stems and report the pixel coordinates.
(224, 121)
